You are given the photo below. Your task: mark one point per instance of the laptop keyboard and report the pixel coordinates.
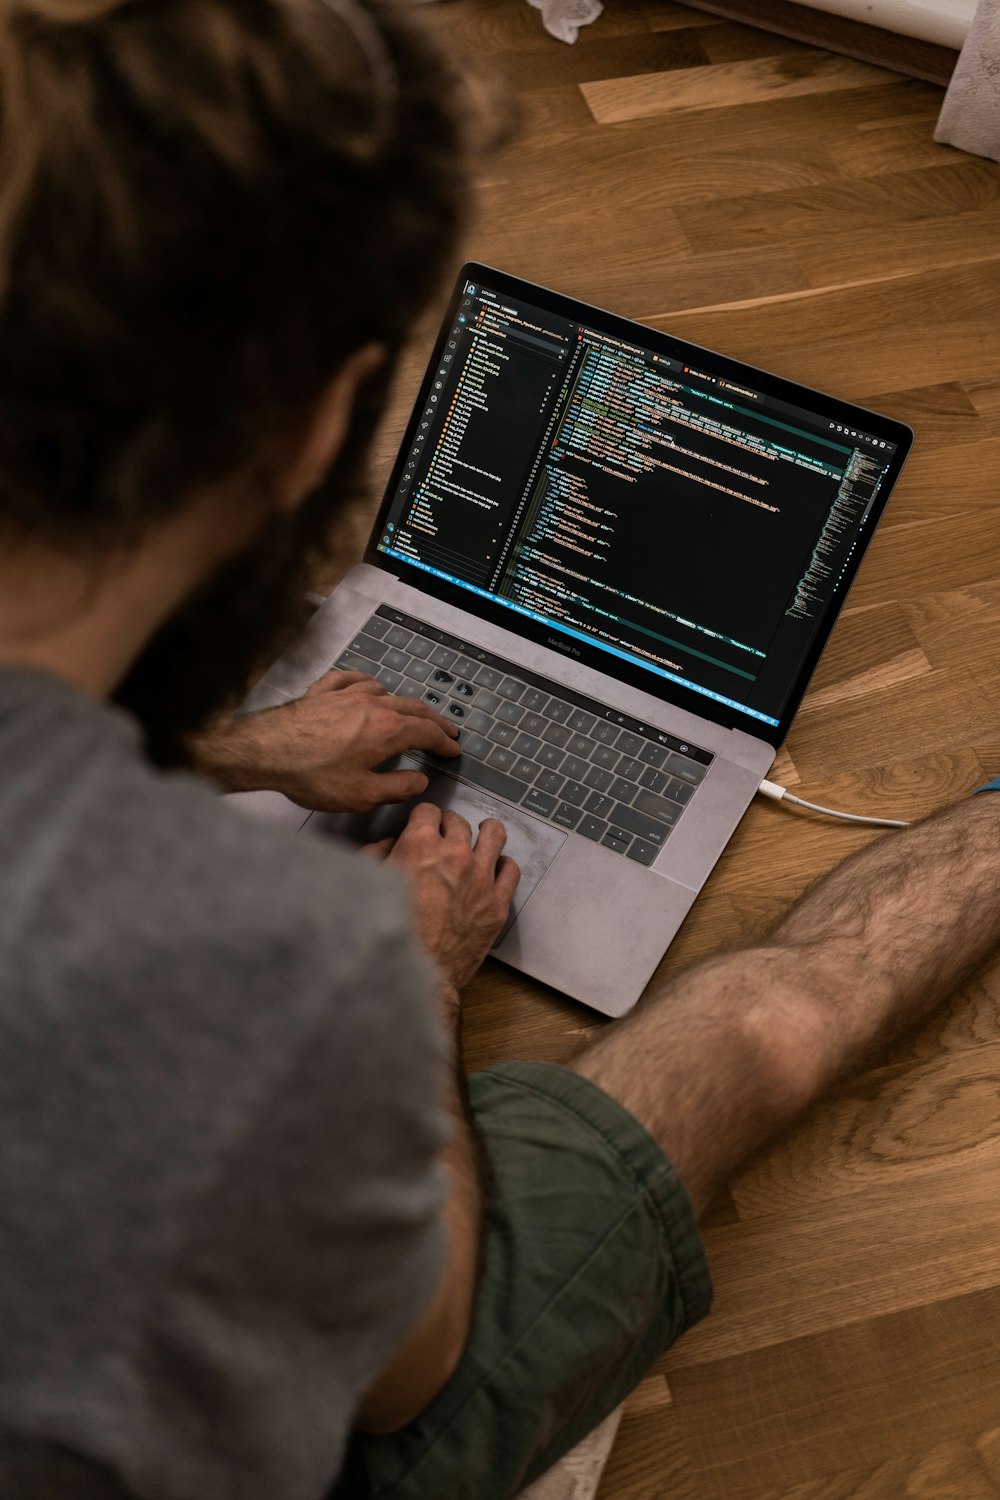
(577, 763)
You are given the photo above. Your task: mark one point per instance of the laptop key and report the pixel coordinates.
(641, 852)
(549, 755)
(503, 734)
(558, 711)
(367, 645)
(604, 756)
(679, 791)
(687, 770)
(477, 720)
(434, 696)
(475, 744)
(493, 779)
(599, 805)
(489, 677)
(605, 733)
(653, 755)
(503, 759)
(396, 661)
(509, 687)
(655, 807)
(526, 744)
(444, 678)
(463, 666)
(549, 781)
(622, 790)
(582, 722)
(534, 700)
(575, 792)
(575, 768)
(509, 713)
(645, 828)
(628, 743)
(578, 744)
(556, 734)
(599, 779)
(540, 802)
(532, 723)
(592, 828)
(629, 768)
(456, 710)
(388, 678)
(566, 816)
(394, 634)
(614, 839)
(653, 780)
(352, 662)
(419, 646)
(377, 627)
(487, 701)
(463, 690)
(442, 657)
(524, 769)
(408, 689)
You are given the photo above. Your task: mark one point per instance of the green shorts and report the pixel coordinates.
(592, 1266)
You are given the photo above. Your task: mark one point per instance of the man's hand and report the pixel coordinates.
(321, 751)
(461, 891)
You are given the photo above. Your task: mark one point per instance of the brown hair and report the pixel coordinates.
(205, 206)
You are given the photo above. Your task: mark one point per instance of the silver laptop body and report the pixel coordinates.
(543, 677)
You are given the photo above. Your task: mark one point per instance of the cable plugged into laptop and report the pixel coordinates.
(779, 794)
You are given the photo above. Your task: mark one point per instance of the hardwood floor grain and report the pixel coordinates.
(790, 207)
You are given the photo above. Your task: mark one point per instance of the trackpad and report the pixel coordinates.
(532, 843)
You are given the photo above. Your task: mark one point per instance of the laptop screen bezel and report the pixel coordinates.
(825, 406)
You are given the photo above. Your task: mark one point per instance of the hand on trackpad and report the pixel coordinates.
(530, 842)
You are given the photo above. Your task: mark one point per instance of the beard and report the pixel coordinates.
(205, 657)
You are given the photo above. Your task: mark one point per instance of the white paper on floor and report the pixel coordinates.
(563, 18)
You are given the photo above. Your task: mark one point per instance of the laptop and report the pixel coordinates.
(613, 559)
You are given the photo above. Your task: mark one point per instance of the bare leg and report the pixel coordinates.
(732, 1050)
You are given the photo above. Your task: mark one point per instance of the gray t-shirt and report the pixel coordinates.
(222, 1085)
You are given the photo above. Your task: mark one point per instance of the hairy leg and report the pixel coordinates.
(733, 1049)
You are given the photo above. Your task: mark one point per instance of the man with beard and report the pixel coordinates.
(247, 1201)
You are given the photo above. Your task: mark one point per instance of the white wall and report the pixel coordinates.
(946, 22)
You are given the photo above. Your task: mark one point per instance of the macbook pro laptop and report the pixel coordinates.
(613, 559)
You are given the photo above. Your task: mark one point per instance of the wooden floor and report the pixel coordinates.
(789, 207)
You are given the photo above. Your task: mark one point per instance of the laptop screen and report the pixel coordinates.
(689, 517)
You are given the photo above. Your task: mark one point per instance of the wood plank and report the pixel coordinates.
(903, 561)
(942, 481)
(649, 1450)
(660, 15)
(868, 151)
(651, 285)
(798, 1272)
(944, 243)
(841, 34)
(857, 1396)
(985, 397)
(942, 416)
(844, 327)
(955, 627)
(966, 1468)
(865, 731)
(842, 207)
(909, 1121)
(726, 85)
(476, 30)
(603, 58)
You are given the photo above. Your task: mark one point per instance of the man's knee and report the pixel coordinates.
(730, 1053)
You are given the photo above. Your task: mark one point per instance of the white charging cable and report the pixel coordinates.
(778, 794)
